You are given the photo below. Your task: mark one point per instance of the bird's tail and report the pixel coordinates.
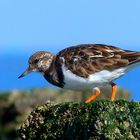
(132, 57)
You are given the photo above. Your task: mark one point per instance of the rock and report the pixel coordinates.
(98, 120)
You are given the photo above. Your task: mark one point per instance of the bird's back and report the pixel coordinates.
(87, 59)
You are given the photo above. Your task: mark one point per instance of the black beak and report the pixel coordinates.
(25, 73)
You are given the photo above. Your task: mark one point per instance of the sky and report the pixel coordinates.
(28, 26)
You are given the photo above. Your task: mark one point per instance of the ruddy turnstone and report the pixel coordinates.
(87, 66)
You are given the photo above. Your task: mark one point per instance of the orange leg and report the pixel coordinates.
(114, 89)
(95, 94)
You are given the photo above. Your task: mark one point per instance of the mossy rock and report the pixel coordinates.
(98, 120)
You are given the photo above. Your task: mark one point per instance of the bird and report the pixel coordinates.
(83, 67)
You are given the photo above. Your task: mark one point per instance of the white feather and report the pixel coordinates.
(98, 79)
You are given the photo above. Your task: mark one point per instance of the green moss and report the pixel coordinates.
(97, 120)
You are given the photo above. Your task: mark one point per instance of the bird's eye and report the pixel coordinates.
(36, 60)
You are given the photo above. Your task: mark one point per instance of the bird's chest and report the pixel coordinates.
(75, 82)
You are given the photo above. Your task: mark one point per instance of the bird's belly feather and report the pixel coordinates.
(97, 79)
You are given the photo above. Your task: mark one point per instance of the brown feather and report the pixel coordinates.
(87, 59)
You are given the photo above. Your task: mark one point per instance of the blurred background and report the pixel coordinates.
(30, 26)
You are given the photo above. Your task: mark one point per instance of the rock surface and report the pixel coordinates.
(98, 120)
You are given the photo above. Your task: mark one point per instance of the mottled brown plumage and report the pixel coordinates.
(87, 59)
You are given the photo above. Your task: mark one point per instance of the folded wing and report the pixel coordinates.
(87, 59)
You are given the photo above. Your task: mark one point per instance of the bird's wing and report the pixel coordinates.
(87, 59)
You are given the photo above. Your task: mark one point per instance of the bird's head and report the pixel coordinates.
(39, 62)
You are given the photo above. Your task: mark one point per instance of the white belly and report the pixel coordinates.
(97, 79)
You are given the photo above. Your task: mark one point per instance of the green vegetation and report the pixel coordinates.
(16, 105)
(99, 120)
